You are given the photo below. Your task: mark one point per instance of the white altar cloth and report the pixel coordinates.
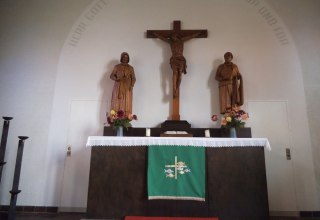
(177, 141)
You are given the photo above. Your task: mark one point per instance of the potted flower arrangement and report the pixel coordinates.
(233, 118)
(119, 120)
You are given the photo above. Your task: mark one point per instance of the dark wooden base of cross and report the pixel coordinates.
(175, 125)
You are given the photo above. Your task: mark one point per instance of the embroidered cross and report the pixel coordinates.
(179, 168)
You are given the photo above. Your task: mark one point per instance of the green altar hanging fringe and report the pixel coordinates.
(176, 172)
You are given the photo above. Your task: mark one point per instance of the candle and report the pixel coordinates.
(148, 132)
(207, 133)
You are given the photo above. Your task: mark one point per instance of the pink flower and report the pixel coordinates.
(214, 117)
(130, 116)
(223, 122)
(244, 116)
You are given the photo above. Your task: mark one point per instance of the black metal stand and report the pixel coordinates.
(3, 145)
(15, 191)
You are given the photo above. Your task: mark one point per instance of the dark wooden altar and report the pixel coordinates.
(236, 186)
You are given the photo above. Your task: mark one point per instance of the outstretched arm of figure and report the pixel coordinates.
(161, 37)
(196, 34)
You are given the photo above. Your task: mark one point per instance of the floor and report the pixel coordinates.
(60, 216)
(78, 216)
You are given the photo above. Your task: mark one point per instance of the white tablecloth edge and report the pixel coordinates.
(177, 141)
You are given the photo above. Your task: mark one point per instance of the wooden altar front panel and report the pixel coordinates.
(236, 185)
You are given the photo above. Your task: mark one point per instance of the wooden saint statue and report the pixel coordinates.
(178, 63)
(124, 77)
(230, 84)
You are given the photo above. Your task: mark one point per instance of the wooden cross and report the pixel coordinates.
(176, 38)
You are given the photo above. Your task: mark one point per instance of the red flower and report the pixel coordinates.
(120, 114)
(109, 119)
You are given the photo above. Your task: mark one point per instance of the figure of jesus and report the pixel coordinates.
(177, 61)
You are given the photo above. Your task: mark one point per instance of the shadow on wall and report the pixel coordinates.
(106, 85)
(213, 85)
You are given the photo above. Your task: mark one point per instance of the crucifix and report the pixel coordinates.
(178, 63)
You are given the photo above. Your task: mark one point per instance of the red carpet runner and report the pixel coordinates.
(166, 218)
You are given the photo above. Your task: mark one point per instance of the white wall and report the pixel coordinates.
(303, 22)
(39, 82)
(32, 34)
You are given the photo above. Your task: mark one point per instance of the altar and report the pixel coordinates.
(236, 185)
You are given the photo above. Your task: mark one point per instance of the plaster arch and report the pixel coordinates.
(260, 42)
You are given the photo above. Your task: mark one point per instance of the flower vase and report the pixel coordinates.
(233, 132)
(120, 131)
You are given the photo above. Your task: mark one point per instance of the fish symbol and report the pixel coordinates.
(170, 175)
(180, 163)
(168, 171)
